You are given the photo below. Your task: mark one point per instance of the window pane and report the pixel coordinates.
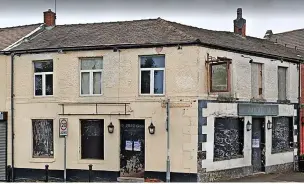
(282, 83)
(145, 82)
(152, 62)
(85, 83)
(91, 64)
(92, 139)
(219, 77)
(38, 85)
(158, 82)
(45, 66)
(49, 84)
(97, 83)
(42, 138)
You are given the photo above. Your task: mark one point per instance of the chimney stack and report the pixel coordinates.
(49, 18)
(240, 23)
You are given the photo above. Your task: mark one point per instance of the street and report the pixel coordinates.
(282, 177)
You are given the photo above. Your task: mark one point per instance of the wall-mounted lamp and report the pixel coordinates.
(110, 128)
(269, 125)
(115, 49)
(151, 128)
(248, 126)
(250, 61)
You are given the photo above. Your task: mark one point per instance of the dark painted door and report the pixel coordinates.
(132, 148)
(258, 137)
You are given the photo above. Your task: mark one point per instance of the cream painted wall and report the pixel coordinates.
(120, 84)
(3, 79)
(214, 110)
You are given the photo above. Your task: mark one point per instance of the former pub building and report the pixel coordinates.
(229, 100)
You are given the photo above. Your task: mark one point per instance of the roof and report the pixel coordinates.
(292, 39)
(10, 35)
(149, 31)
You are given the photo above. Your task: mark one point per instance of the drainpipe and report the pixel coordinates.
(299, 126)
(12, 113)
(168, 143)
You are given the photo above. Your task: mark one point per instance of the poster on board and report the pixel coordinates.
(255, 143)
(137, 146)
(128, 145)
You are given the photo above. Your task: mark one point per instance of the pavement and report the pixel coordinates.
(282, 177)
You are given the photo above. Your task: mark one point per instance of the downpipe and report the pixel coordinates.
(12, 114)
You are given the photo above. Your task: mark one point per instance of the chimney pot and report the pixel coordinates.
(49, 18)
(240, 23)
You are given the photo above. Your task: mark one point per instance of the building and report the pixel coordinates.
(293, 39)
(9, 38)
(118, 84)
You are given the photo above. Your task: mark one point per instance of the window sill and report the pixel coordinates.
(97, 95)
(46, 96)
(226, 159)
(91, 161)
(282, 151)
(152, 95)
(42, 160)
(283, 101)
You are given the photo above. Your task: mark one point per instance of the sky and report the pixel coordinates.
(261, 15)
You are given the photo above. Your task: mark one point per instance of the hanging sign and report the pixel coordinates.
(63, 127)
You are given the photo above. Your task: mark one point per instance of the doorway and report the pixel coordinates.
(258, 144)
(132, 148)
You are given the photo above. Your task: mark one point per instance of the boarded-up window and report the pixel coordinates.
(92, 139)
(282, 134)
(43, 138)
(282, 83)
(219, 77)
(228, 138)
(256, 80)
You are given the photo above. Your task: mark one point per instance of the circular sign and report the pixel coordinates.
(63, 125)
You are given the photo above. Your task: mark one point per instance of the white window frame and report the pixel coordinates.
(43, 74)
(91, 75)
(152, 79)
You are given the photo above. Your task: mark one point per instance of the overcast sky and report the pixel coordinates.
(261, 15)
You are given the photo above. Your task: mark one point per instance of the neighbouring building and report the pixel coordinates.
(293, 39)
(230, 101)
(9, 38)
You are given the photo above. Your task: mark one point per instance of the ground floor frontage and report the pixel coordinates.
(244, 138)
(209, 140)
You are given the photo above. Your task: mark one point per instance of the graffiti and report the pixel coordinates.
(228, 138)
(281, 134)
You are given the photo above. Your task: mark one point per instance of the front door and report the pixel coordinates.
(258, 143)
(132, 148)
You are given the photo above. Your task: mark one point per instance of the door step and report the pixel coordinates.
(130, 180)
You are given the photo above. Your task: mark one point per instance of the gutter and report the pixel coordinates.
(149, 45)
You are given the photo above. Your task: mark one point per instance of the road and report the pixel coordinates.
(282, 177)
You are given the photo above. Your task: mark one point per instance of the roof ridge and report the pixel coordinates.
(302, 29)
(27, 25)
(110, 22)
(168, 23)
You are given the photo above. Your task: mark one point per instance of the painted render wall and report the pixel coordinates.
(241, 76)
(186, 81)
(214, 110)
(241, 90)
(120, 84)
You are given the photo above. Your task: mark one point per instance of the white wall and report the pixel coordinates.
(214, 110)
(241, 76)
